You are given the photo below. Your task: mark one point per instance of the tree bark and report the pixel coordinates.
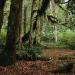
(54, 25)
(25, 23)
(31, 25)
(2, 4)
(14, 23)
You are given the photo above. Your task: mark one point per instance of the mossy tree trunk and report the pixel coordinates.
(31, 25)
(36, 39)
(14, 22)
(54, 25)
(25, 18)
(2, 4)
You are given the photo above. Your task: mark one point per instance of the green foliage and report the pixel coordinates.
(48, 38)
(29, 53)
(66, 57)
(34, 53)
(2, 38)
(68, 39)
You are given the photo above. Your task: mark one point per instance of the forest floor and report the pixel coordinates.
(40, 67)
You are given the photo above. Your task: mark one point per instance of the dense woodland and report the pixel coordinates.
(37, 33)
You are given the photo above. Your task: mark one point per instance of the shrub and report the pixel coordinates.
(33, 54)
(67, 39)
(66, 57)
(27, 53)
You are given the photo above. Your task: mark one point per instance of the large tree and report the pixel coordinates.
(2, 4)
(14, 22)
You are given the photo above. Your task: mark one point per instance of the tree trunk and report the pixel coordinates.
(14, 23)
(31, 25)
(36, 39)
(2, 4)
(55, 32)
(25, 23)
(54, 25)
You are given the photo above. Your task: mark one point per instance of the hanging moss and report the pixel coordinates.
(40, 12)
(43, 8)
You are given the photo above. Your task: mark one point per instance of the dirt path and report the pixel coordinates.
(57, 52)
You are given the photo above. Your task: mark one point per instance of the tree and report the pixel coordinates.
(34, 20)
(2, 4)
(36, 25)
(31, 25)
(53, 22)
(14, 22)
(25, 10)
